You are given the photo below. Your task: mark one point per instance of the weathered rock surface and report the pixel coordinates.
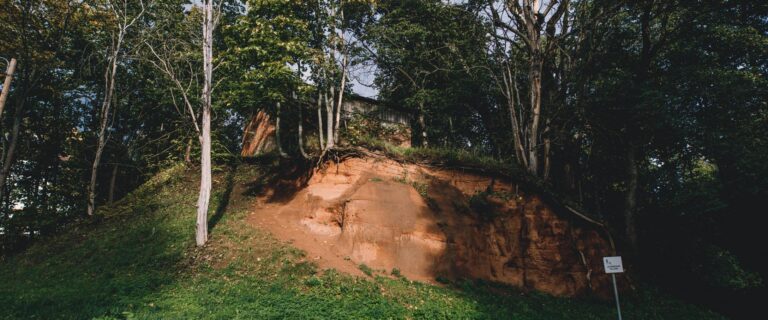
(432, 223)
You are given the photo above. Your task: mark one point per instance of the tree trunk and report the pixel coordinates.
(112, 184)
(188, 152)
(94, 173)
(329, 102)
(7, 84)
(9, 154)
(201, 234)
(109, 81)
(630, 203)
(510, 86)
(301, 126)
(279, 142)
(535, 87)
(423, 126)
(340, 104)
(320, 98)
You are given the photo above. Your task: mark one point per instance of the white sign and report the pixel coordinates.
(613, 265)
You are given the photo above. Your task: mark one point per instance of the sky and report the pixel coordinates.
(362, 80)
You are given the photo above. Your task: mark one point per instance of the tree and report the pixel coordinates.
(533, 28)
(425, 53)
(201, 235)
(11, 67)
(123, 21)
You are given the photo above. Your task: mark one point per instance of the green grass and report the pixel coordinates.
(366, 269)
(139, 262)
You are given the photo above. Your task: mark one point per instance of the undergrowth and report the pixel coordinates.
(140, 262)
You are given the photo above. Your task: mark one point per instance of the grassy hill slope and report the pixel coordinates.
(138, 261)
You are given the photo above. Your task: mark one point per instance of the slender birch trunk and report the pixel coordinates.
(344, 62)
(329, 104)
(320, 99)
(301, 126)
(109, 80)
(535, 89)
(201, 234)
(340, 103)
(124, 23)
(9, 154)
(7, 84)
(279, 142)
(510, 91)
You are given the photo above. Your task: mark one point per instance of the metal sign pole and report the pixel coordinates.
(616, 294)
(613, 266)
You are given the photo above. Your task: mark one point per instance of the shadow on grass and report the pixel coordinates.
(224, 197)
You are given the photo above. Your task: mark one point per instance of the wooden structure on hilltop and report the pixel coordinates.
(259, 131)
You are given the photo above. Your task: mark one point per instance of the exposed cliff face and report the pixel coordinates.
(432, 223)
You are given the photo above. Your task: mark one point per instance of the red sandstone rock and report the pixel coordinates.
(369, 211)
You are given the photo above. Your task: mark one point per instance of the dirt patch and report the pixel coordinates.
(431, 223)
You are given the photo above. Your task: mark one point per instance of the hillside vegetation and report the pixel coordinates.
(139, 262)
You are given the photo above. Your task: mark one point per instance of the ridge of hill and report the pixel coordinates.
(138, 261)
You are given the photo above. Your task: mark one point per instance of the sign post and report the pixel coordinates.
(613, 266)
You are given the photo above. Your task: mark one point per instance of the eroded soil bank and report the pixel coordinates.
(429, 223)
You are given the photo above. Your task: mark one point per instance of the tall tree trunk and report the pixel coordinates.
(11, 152)
(109, 88)
(94, 173)
(535, 88)
(301, 126)
(630, 202)
(340, 104)
(7, 84)
(201, 234)
(329, 104)
(343, 84)
(320, 98)
(510, 91)
(279, 142)
(423, 126)
(112, 182)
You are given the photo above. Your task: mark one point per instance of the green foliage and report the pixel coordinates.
(721, 269)
(313, 281)
(360, 127)
(674, 89)
(366, 269)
